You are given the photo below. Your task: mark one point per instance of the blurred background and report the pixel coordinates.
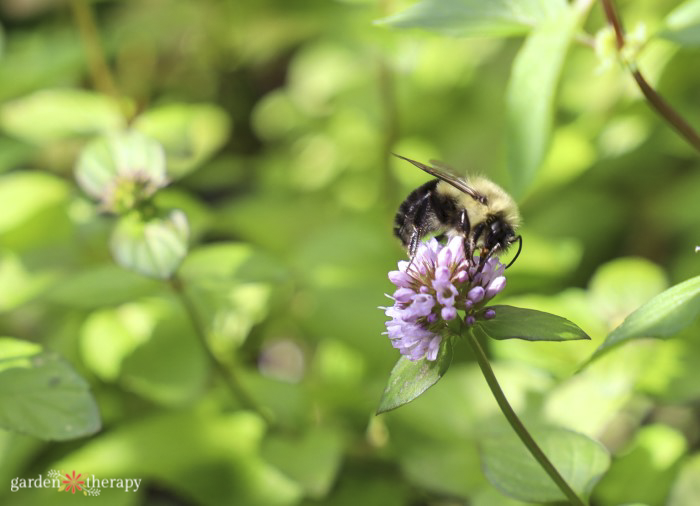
(278, 119)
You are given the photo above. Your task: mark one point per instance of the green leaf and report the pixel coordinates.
(475, 18)
(313, 460)
(173, 381)
(510, 467)
(16, 352)
(41, 395)
(153, 247)
(663, 316)
(102, 285)
(683, 24)
(26, 194)
(49, 115)
(644, 470)
(531, 325)
(409, 379)
(530, 95)
(190, 133)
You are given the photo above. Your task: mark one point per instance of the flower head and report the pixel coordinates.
(431, 288)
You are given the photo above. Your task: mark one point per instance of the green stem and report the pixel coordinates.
(100, 73)
(515, 422)
(228, 374)
(660, 105)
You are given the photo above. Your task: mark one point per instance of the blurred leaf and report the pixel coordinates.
(14, 153)
(20, 283)
(49, 115)
(190, 133)
(409, 379)
(531, 92)
(16, 352)
(108, 336)
(169, 366)
(208, 457)
(620, 286)
(108, 163)
(103, 285)
(663, 316)
(154, 247)
(510, 467)
(683, 24)
(43, 396)
(312, 460)
(645, 470)
(475, 18)
(25, 194)
(446, 467)
(519, 323)
(686, 489)
(222, 263)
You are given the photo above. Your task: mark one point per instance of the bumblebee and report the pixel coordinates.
(475, 208)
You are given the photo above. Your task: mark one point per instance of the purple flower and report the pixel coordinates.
(431, 288)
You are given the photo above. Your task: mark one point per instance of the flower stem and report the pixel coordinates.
(228, 374)
(662, 107)
(515, 422)
(100, 73)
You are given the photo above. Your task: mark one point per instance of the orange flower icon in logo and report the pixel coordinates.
(73, 482)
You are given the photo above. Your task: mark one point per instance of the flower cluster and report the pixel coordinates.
(431, 288)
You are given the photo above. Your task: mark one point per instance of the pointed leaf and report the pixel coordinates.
(531, 325)
(683, 24)
(530, 95)
(475, 18)
(510, 467)
(41, 395)
(663, 316)
(409, 379)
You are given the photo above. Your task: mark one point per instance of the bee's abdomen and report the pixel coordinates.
(418, 214)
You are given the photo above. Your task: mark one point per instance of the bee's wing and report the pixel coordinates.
(445, 175)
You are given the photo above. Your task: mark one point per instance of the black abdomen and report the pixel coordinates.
(423, 212)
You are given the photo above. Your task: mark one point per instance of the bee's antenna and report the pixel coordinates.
(520, 247)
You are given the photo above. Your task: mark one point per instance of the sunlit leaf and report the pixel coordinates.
(409, 379)
(102, 285)
(48, 115)
(686, 489)
(312, 460)
(475, 18)
(510, 467)
(41, 395)
(25, 194)
(190, 133)
(531, 92)
(205, 456)
(683, 24)
(645, 469)
(152, 247)
(663, 316)
(170, 381)
(531, 325)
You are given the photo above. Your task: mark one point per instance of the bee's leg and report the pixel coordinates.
(465, 227)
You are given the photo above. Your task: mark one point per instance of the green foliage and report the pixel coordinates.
(663, 316)
(471, 18)
(519, 323)
(42, 395)
(531, 92)
(511, 469)
(236, 157)
(409, 379)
